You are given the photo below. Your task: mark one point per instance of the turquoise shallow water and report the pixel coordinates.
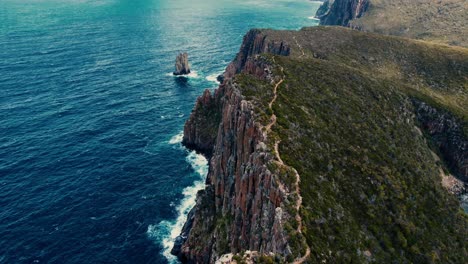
(91, 167)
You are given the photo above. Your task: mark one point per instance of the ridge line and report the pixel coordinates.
(280, 162)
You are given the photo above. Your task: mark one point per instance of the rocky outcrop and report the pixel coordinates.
(201, 129)
(255, 42)
(446, 133)
(340, 12)
(182, 66)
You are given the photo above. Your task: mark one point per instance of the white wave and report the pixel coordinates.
(313, 18)
(199, 163)
(177, 138)
(192, 74)
(213, 77)
(103, 62)
(167, 231)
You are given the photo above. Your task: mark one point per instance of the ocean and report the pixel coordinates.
(91, 118)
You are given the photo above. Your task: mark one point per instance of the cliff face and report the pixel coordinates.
(254, 43)
(340, 12)
(240, 210)
(243, 205)
(316, 156)
(201, 129)
(446, 132)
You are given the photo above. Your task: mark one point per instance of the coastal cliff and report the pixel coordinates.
(244, 204)
(436, 21)
(316, 152)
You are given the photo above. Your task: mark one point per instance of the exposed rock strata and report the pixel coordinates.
(201, 129)
(242, 207)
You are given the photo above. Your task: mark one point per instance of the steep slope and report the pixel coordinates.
(323, 146)
(434, 20)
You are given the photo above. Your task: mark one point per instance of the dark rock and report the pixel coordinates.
(182, 66)
(324, 8)
(180, 240)
(341, 12)
(446, 133)
(220, 78)
(201, 129)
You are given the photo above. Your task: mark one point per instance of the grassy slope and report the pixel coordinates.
(439, 21)
(368, 179)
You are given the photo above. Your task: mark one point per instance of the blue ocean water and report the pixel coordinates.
(91, 166)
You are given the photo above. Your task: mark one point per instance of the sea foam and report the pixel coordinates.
(213, 77)
(166, 232)
(192, 74)
(177, 138)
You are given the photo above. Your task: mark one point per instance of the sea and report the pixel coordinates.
(92, 169)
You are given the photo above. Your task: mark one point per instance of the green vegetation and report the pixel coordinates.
(222, 226)
(368, 181)
(259, 92)
(434, 73)
(371, 189)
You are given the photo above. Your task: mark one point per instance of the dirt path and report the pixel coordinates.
(270, 105)
(281, 163)
(300, 47)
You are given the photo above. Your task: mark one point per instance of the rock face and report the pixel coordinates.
(324, 8)
(340, 12)
(201, 129)
(255, 42)
(446, 132)
(242, 206)
(182, 66)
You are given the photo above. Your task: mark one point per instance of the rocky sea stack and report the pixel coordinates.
(182, 66)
